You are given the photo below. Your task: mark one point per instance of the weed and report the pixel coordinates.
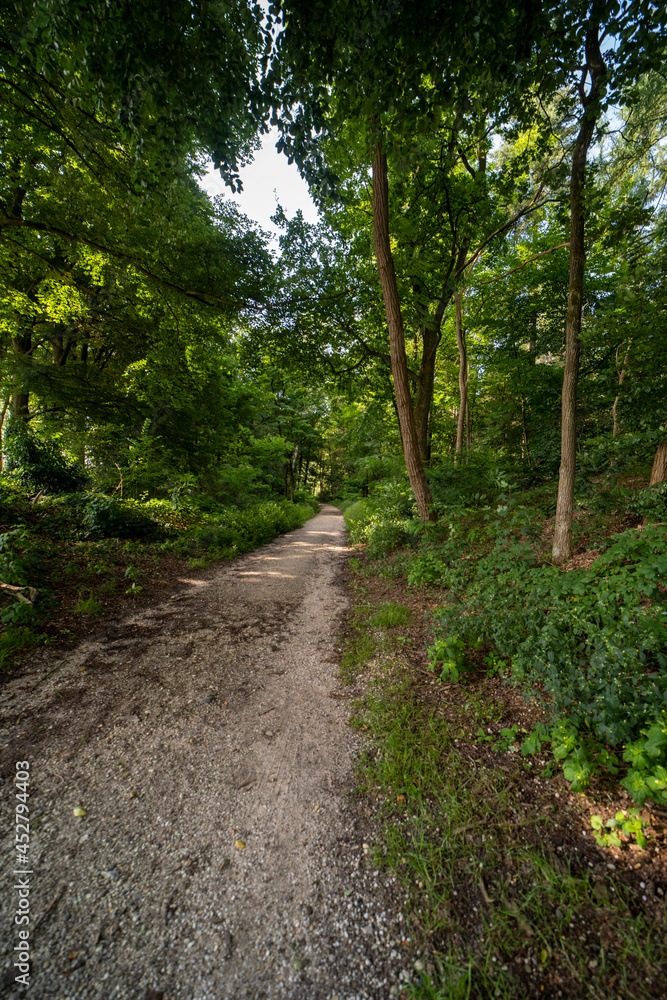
(88, 606)
(391, 615)
(628, 824)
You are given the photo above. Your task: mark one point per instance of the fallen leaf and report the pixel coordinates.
(79, 811)
(240, 844)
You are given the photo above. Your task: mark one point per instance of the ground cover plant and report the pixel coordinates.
(589, 643)
(516, 884)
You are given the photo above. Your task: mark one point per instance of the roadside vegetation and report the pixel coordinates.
(517, 734)
(66, 560)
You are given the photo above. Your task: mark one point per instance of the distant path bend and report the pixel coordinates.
(219, 857)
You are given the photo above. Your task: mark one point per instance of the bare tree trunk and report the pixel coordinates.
(562, 543)
(621, 376)
(659, 470)
(424, 389)
(524, 431)
(399, 363)
(292, 469)
(22, 345)
(2, 424)
(463, 369)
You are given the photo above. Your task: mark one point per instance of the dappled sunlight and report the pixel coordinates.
(268, 572)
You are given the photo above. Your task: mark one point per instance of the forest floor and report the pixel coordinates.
(506, 892)
(192, 834)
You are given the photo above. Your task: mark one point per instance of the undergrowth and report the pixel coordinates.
(501, 900)
(74, 552)
(590, 643)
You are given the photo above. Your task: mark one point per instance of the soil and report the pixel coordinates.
(206, 738)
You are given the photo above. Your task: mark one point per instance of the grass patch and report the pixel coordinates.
(392, 615)
(88, 606)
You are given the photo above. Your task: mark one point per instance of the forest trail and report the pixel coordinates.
(204, 736)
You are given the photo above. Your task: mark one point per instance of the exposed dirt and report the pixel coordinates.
(206, 740)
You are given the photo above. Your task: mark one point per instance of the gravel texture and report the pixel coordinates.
(207, 740)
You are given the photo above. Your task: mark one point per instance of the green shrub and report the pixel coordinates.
(233, 531)
(40, 465)
(650, 503)
(105, 517)
(591, 644)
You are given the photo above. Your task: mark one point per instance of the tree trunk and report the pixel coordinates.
(463, 370)
(2, 424)
(562, 543)
(621, 377)
(292, 471)
(399, 363)
(20, 400)
(659, 470)
(424, 391)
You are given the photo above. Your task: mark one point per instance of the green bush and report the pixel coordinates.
(591, 644)
(40, 465)
(105, 517)
(234, 531)
(650, 503)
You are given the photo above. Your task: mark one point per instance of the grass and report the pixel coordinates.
(88, 606)
(391, 615)
(498, 906)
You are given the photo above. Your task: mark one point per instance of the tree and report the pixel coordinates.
(450, 61)
(634, 24)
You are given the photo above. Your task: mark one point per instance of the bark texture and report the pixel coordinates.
(463, 372)
(22, 345)
(399, 363)
(424, 389)
(659, 470)
(596, 69)
(621, 377)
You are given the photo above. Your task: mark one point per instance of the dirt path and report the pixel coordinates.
(192, 728)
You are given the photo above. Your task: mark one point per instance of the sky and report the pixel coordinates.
(267, 180)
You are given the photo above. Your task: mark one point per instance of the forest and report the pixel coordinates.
(467, 354)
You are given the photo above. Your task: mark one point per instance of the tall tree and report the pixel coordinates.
(412, 66)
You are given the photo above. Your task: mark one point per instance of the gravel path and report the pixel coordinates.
(207, 741)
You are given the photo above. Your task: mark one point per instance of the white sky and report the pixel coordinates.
(269, 179)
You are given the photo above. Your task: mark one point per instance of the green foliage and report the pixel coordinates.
(650, 503)
(39, 465)
(628, 824)
(233, 531)
(589, 643)
(105, 517)
(381, 520)
(447, 654)
(391, 615)
(88, 606)
(20, 557)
